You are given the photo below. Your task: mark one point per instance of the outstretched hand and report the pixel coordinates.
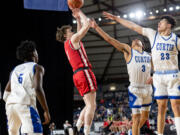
(109, 16)
(93, 23)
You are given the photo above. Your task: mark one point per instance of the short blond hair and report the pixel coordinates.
(61, 32)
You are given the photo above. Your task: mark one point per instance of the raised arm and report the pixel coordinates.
(124, 22)
(77, 17)
(125, 48)
(79, 25)
(38, 82)
(84, 29)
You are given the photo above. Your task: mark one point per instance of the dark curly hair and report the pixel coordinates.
(60, 33)
(170, 20)
(25, 50)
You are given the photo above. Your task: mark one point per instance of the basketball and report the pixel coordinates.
(75, 3)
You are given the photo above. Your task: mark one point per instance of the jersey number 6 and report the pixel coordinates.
(20, 79)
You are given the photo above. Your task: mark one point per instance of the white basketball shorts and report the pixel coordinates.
(166, 85)
(23, 116)
(140, 98)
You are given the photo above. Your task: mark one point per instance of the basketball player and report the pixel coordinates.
(25, 84)
(166, 79)
(139, 69)
(84, 79)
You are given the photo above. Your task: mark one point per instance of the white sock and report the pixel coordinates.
(86, 130)
(79, 124)
(177, 124)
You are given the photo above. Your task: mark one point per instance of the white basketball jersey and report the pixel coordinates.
(139, 67)
(22, 90)
(165, 53)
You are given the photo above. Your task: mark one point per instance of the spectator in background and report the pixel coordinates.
(106, 126)
(110, 117)
(52, 127)
(68, 128)
(102, 101)
(106, 123)
(170, 128)
(169, 120)
(123, 131)
(146, 129)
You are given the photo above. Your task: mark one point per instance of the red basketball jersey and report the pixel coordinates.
(77, 58)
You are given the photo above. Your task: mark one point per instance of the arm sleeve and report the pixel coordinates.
(150, 34)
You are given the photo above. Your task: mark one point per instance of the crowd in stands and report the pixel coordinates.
(115, 116)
